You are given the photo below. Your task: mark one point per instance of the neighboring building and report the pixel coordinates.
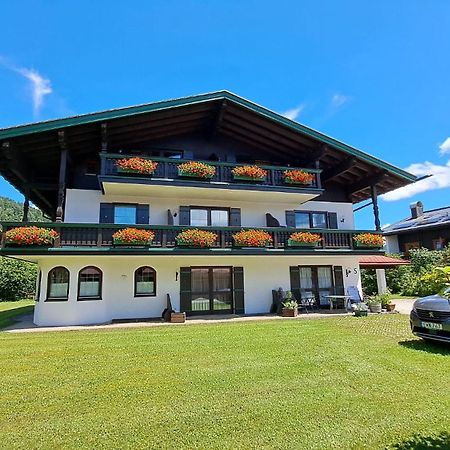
(68, 168)
(428, 229)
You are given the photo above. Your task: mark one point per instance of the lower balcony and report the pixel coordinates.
(75, 238)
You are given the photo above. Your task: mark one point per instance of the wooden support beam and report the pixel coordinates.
(376, 211)
(104, 131)
(26, 205)
(218, 120)
(366, 182)
(337, 170)
(62, 176)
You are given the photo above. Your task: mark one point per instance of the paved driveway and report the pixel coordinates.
(403, 306)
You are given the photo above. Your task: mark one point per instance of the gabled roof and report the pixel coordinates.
(220, 112)
(380, 262)
(430, 219)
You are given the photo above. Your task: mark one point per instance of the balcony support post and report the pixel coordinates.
(26, 205)
(62, 176)
(376, 212)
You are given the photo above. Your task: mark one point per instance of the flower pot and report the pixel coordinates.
(390, 307)
(14, 245)
(360, 245)
(135, 245)
(193, 175)
(361, 313)
(242, 178)
(134, 172)
(292, 243)
(289, 181)
(375, 308)
(178, 317)
(285, 312)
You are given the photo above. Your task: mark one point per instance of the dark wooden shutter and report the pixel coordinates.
(338, 280)
(184, 216)
(185, 289)
(290, 219)
(332, 220)
(106, 213)
(235, 217)
(142, 214)
(238, 285)
(294, 273)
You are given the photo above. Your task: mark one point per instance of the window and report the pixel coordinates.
(204, 217)
(125, 214)
(144, 282)
(311, 219)
(438, 244)
(58, 284)
(90, 284)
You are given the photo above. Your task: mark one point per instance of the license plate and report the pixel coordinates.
(432, 326)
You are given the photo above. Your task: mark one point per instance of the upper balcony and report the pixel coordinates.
(167, 174)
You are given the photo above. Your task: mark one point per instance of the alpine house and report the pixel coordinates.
(210, 199)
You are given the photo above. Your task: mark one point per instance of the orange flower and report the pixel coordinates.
(250, 171)
(196, 238)
(369, 239)
(30, 236)
(307, 237)
(133, 236)
(196, 168)
(298, 176)
(252, 238)
(140, 165)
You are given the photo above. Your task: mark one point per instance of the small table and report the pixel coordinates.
(335, 298)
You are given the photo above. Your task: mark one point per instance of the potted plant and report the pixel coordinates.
(252, 238)
(196, 238)
(386, 302)
(133, 236)
(304, 239)
(249, 173)
(196, 169)
(290, 306)
(177, 317)
(368, 240)
(374, 303)
(298, 177)
(360, 309)
(30, 236)
(136, 165)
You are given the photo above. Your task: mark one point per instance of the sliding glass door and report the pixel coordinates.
(317, 282)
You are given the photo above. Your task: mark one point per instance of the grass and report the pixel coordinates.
(10, 310)
(340, 383)
(401, 297)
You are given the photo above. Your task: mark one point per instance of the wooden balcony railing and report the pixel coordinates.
(100, 235)
(167, 169)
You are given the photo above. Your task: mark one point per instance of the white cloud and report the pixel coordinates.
(339, 100)
(439, 179)
(40, 86)
(445, 147)
(294, 112)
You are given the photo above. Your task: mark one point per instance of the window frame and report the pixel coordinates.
(57, 299)
(310, 214)
(90, 298)
(208, 210)
(136, 294)
(129, 205)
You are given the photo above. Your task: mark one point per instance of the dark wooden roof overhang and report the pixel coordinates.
(30, 154)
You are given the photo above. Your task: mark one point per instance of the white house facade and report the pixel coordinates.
(71, 168)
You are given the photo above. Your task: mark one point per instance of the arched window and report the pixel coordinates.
(90, 283)
(144, 282)
(58, 284)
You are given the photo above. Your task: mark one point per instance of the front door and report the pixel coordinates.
(316, 281)
(211, 290)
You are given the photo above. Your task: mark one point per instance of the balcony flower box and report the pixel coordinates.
(196, 169)
(249, 173)
(137, 166)
(298, 177)
(30, 237)
(304, 239)
(195, 238)
(368, 240)
(133, 237)
(252, 238)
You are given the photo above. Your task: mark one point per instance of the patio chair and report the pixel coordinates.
(354, 294)
(307, 302)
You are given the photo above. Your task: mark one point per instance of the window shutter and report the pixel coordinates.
(294, 273)
(185, 289)
(238, 285)
(184, 216)
(235, 217)
(106, 213)
(338, 280)
(332, 221)
(142, 214)
(290, 219)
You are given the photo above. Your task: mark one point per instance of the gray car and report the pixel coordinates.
(430, 318)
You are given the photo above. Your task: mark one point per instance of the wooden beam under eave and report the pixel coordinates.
(62, 176)
(366, 182)
(337, 170)
(217, 122)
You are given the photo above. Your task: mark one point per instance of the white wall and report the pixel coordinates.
(83, 206)
(118, 301)
(392, 244)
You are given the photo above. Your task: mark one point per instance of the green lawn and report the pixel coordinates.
(9, 310)
(340, 382)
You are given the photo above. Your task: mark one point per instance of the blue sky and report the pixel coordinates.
(373, 74)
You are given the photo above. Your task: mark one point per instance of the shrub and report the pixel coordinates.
(198, 169)
(30, 236)
(298, 176)
(140, 165)
(252, 238)
(133, 236)
(196, 238)
(17, 279)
